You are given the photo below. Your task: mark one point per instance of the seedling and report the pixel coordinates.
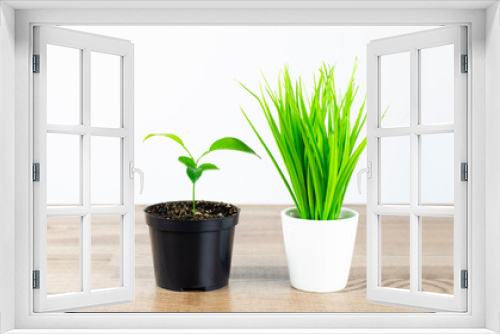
(193, 169)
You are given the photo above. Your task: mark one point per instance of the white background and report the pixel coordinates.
(186, 83)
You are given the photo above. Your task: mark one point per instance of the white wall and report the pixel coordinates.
(7, 59)
(492, 163)
(185, 83)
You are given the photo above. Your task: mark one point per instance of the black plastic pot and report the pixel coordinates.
(192, 254)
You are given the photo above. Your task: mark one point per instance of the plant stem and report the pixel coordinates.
(194, 203)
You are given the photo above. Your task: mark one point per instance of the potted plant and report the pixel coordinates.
(319, 147)
(192, 241)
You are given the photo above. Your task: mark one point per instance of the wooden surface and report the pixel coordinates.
(259, 279)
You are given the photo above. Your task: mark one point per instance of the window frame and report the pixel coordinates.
(413, 45)
(472, 18)
(123, 51)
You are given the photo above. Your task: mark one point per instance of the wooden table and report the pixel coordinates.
(259, 279)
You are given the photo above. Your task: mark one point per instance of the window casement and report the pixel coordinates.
(82, 136)
(424, 129)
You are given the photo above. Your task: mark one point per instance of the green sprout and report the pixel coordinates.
(193, 169)
(316, 140)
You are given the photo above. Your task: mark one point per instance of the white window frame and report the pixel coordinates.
(413, 44)
(475, 320)
(124, 52)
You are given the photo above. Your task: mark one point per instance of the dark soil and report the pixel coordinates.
(184, 210)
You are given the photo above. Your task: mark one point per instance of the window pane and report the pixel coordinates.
(106, 252)
(437, 254)
(395, 170)
(105, 90)
(63, 255)
(63, 85)
(437, 85)
(63, 169)
(395, 251)
(437, 170)
(105, 170)
(395, 89)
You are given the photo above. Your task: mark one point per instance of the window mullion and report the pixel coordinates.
(414, 172)
(85, 238)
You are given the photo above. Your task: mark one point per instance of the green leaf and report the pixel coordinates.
(171, 136)
(208, 166)
(194, 173)
(280, 172)
(187, 161)
(229, 143)
(168, 135)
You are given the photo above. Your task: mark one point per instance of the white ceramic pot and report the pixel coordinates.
(319, 252)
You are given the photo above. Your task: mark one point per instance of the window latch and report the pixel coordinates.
(368, 171)
(133, 170)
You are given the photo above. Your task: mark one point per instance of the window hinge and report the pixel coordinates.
(36, 172)
(36, 63)
(36, 279)
(465, 64)
(464, 171)
(465, 279)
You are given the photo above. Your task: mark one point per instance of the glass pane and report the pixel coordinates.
(395, 251)
(395, 170)
(105, 170)
(437, 85)
(437, 254)
(63, 255)
(63, 169)
(63, 85)
(437, 170)
(105, 90)
(395, 89)
(106, 254)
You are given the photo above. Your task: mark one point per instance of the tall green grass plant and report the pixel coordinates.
(315, 137)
